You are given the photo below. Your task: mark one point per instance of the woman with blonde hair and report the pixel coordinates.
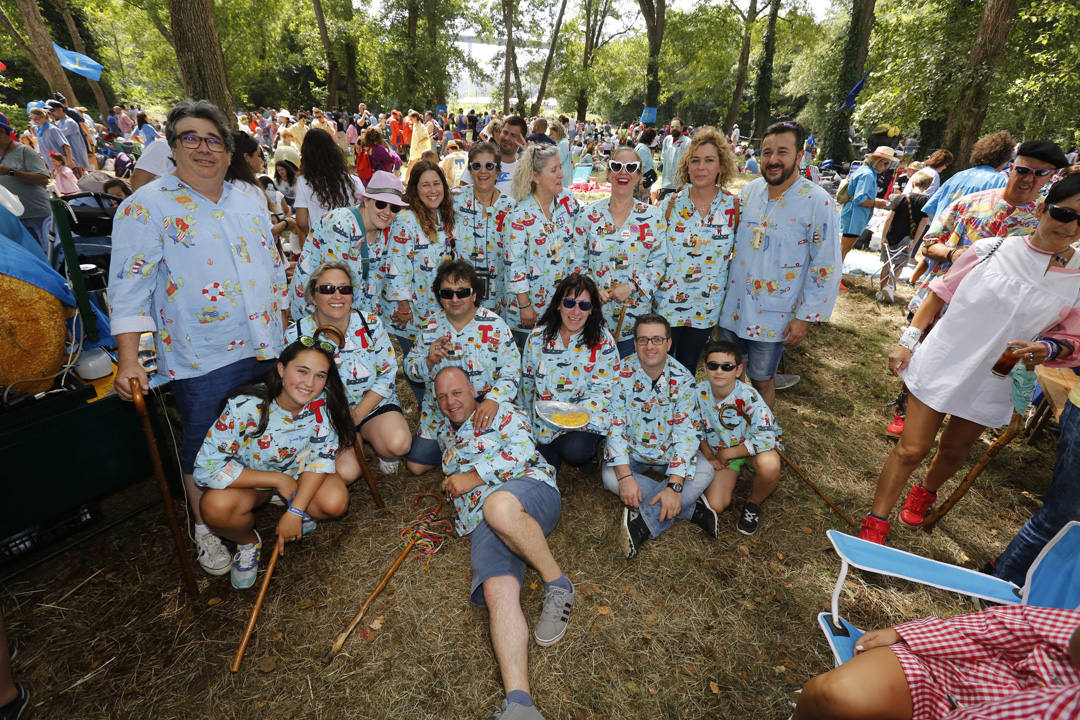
(701, 218)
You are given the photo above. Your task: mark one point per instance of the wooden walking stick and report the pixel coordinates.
(186, 571)
(278, 547)
(340, 641)
(365, 470)
(815, 488)
(622, 316)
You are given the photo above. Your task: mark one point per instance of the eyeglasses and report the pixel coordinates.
(725, 366)
(1062, 214)
(329, 289)
(630, 167)
(654, 340)
(191, 141)
(381, 205)
(459, 293)
(489, 166)
(1037, 172)
(310, 342)
(569, 303)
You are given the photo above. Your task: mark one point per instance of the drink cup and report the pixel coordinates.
(1009, 357)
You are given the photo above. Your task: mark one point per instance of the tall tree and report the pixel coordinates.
(350, 59)
(80, 47)
(547, 63)
(509, 8)
(594, 13)
(198, 53)
(834, 142)
(763, 88)
(654, 13)
(749, 17)
(333, 74)
(37, 47)
(968, 110)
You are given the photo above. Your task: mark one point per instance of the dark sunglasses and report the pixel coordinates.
(381, 205)
(461, 293)
(616, 166)
(489, 166)
(1025, 170)
(310, 342)
(569, 303)
(725, 366)
(1062, 214)
(329, 289)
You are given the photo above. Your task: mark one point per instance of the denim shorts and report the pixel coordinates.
(490, 557)
(762, 358)
(425, 451)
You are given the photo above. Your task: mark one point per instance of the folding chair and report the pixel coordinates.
(1053, 580)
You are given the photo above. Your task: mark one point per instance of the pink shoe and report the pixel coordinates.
(918, 502)
(874, 530)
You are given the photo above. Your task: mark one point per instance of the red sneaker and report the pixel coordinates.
(843, 286)
(918, 502)
(896, 428)
(874, 530)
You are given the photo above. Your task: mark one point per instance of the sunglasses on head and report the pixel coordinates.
(310, 342)
(330, 289)
(460, 293)
(381, 205)
(489, 166)
(1062, 214)
(630, 167)
(725, 366)
(569, 303)
(1037, 172)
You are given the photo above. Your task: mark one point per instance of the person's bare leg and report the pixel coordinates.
(346, 466)
(230, 512)
(388, 434)
(869, 685)
(521, 533)
(194, 496)
(956, 442)
(920, 269)
(920, 426)
(767, 390)
(767, 478)
(846, 243)
(417, 468)
(509, 630)
(718, 494)
(330, 501)
(8, 691)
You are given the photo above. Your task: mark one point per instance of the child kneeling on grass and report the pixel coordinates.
(280, 437)
(736, 427)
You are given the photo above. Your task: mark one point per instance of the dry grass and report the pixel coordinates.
(648, 638)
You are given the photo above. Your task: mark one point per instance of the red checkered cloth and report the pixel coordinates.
(1005, 663)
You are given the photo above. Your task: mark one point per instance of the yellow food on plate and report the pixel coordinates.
(574, 419)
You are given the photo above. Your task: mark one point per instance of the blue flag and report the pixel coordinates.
(79, 64)
(648, 115)
(849, 101)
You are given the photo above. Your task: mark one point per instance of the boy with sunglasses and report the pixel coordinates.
(737, 428)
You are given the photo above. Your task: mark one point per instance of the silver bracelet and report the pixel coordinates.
(910, 337)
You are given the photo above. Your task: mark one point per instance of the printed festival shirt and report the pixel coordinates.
(367, 361)
(484, 348)
(568, 373)
(412, 263)
(653, 422)
(205, 276)
(481, 233)
(308, 439)
(699, 252)
(972, 218)
(634, 253)
(786, 263)
(503, 452)
(670, 153)
(741, 418)
(965, 182)
(540, 253)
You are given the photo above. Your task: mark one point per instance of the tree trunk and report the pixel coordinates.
(43, 56)
(835, 143)
(763, 92)
(967, 112)
(508, 7)
(438, 89)
(80, 47)
(654, 13)
(547, 64)
(412, 21)
(332, 72)
(582, 104)
(735, 108)
(351, 91)
(198, 54)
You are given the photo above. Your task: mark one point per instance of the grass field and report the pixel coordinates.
(692, 628)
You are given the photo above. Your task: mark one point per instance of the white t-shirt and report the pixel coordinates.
(157, 158)
(305, 198)
(506, 177)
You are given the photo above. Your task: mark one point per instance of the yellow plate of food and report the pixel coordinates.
(565, 416)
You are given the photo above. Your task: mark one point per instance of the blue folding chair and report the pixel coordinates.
(1053, 580)
(582, 173)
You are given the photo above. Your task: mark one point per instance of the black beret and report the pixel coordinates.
(1044, 150)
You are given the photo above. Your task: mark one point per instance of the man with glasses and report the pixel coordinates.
(471, 337)
(194, 262)
(649, 457)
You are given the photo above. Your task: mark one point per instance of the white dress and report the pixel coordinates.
(994, 298)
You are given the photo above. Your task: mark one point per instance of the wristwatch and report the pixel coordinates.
(10, 171)
(677, 487)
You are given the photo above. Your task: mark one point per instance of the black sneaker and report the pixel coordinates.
(633, 533)
(749, 518)
(705, 517)
(14, 709)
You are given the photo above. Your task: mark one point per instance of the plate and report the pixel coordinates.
(547, 409)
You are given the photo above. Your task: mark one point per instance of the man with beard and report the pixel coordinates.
(672, 149)
(785, 267)
(510, 140)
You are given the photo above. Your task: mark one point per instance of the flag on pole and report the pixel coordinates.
(849, 101)
(78, 63)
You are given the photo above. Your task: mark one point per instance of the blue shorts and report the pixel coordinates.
(762, 358)
(490, 556)
(425, 451)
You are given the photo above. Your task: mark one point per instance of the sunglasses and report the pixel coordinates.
(459, 293)
(489, 166)
(1025, 170)
(725, 366)
(330, 289)
(630, 167)
(569, 303)
(1062, 214)
(310, 342)
(381, 205)
(654, 340)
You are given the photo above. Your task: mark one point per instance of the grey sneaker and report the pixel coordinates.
(514, 711)
(705, 517)
(784, 380)
(213, 557)
(554, 616)
(245, 564)
(389, 467)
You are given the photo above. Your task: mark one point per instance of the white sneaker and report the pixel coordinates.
(389, 467)
(213, 556)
